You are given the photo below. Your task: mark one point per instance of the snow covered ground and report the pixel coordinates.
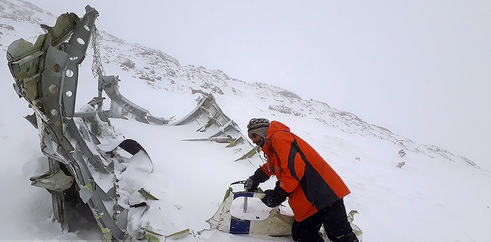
(430, 198)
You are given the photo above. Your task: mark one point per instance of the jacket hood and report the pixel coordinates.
(276, 126)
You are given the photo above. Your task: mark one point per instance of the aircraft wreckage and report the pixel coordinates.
(84, 164)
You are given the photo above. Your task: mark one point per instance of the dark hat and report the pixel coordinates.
(258, 126)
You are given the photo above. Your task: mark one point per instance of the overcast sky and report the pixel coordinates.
(419, 68)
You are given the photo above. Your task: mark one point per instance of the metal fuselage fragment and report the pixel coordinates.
(46, 76)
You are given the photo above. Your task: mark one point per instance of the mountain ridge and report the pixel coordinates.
(165, 71)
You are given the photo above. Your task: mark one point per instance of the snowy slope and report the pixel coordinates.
(436, 196)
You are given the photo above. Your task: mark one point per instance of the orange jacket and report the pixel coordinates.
(302, 172)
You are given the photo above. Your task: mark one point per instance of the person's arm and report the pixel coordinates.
(292, 165)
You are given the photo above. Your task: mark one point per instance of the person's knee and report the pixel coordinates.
(305, 234)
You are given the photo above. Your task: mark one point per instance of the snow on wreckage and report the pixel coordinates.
(89, 164)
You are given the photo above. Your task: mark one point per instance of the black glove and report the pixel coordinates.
(275, 197)
(253, 181)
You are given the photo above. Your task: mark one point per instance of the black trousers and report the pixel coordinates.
(335, 221)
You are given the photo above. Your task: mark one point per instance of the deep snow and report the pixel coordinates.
(428, 199)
